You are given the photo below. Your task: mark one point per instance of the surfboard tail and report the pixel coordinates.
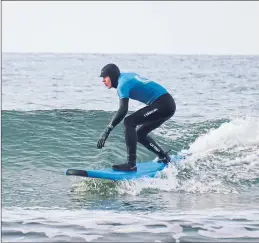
(75, 172)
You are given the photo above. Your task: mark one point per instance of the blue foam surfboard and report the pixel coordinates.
(144, 169)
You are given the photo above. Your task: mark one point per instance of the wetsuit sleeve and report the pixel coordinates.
(121, 113)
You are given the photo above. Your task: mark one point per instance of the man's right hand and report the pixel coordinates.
(103, 138)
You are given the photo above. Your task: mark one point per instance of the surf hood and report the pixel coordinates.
(111, 70)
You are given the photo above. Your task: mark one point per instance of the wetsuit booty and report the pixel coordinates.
(165, 159)
(125, 167)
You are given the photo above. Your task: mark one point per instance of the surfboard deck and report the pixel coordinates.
(144, 169)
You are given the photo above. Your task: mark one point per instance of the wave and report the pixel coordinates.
(89, 225)
(222, 154)
(222, 160)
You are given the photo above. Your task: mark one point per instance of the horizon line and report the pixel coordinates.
(132, 53)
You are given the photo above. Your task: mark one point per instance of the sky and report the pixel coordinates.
(169, 27)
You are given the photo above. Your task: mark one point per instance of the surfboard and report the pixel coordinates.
(144, 169)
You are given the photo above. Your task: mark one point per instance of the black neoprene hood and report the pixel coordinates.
(111, 70)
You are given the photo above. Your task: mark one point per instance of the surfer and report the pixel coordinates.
(160, 106)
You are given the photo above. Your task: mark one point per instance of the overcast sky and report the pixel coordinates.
(131, 27)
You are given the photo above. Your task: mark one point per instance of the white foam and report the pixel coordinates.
(238, 132)
(226, 154)
(165, 181)
(229, 231)
(216, 223)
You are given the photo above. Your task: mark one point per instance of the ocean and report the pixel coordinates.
(54, 108)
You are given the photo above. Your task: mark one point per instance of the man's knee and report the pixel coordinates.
(129, 122)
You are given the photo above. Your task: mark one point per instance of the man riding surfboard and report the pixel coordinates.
(160, 106)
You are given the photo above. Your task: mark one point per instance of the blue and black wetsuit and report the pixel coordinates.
(160, 107)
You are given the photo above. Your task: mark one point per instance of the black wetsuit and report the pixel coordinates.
(149, 118)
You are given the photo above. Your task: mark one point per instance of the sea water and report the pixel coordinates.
(55, 106)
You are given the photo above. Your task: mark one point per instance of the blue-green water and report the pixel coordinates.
(54, 109)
